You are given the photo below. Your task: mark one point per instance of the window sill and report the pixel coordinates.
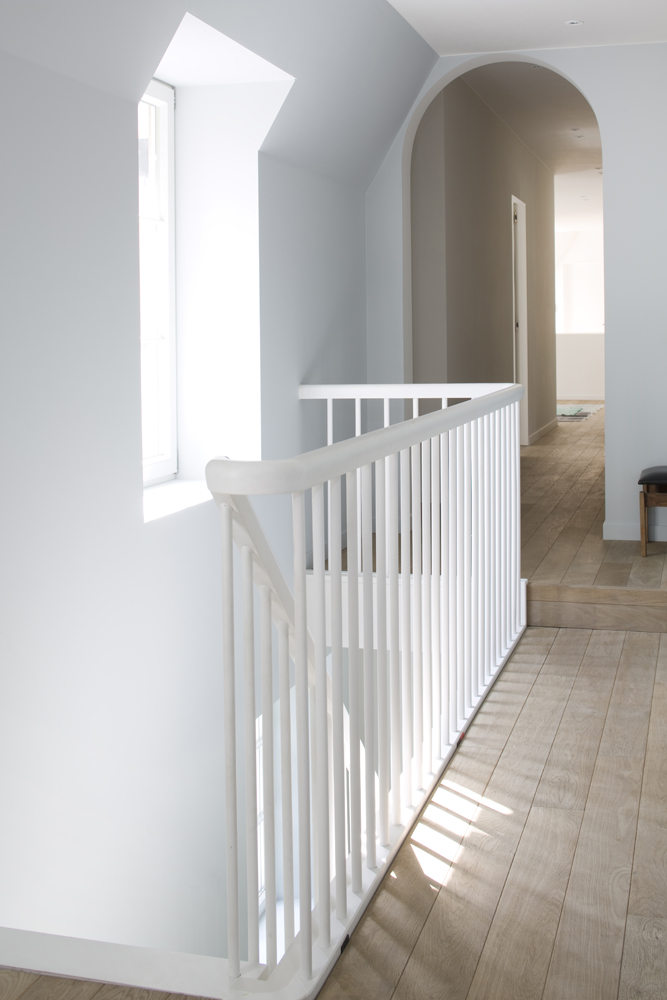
(169, 498)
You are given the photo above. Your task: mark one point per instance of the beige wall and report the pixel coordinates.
(466, 166)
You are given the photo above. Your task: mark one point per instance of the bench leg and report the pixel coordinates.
(643, 521)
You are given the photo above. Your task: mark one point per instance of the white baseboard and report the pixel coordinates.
(629, 531)
(536, 435)
(127, 965)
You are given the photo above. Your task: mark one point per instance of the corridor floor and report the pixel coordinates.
(562, 513)
(539, 867)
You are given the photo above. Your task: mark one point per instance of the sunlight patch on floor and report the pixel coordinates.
(483, 801)
(433, 868)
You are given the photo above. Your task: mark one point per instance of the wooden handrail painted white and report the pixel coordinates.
(402, 390)
(292, 475)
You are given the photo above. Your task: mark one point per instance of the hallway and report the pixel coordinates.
(576, 578)
(538, 869)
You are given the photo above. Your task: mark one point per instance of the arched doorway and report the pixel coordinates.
(487, 155)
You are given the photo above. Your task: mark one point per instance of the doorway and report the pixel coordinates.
(495, 137)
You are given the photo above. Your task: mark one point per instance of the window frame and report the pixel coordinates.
(165, 467)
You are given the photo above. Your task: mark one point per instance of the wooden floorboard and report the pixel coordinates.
(535, 902)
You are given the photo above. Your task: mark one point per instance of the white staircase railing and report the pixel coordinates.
(392, 654)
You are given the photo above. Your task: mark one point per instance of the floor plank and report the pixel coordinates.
(644, 971)
(14, 982)
(55, 988)
(627, 723)
(586, 959)
(516, 954)
(648, 893)
(566, 778)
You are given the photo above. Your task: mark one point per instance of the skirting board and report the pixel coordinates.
(200, 975)
(536, 435)
(628, 531)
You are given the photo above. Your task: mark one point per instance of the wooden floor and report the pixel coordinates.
(576, 578)
(539, 868)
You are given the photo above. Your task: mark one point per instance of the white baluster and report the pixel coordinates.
(479, 515)
(302, 737)
(269, 778)
(329, 420)
(418, 660)
(369, 659)
(406, 651)
(250, 742)
(507, 412)
(517, 515)
(453, 623)
(487, 549)
(394, 654)
(337, 697)
(443, 664)
(488, 552)
(383, 680)
(467, 571)
(354, 679)
(460, 579)
(475, 689)
(436, 571)
(498, 541)
(231, 817)
(321, 727)
(429, 663)
(286, 781)
(513, 527)
(357, 433)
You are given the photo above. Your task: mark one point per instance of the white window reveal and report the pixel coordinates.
(157, 283)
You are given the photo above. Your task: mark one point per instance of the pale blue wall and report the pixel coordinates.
(110, 693)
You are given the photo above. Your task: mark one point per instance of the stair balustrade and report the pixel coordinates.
(367, 672)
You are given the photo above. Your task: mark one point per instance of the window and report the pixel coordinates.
(157, 283)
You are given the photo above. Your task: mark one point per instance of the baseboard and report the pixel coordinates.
(126, 965)
(536, 435)
(624, 531)
(628, 531)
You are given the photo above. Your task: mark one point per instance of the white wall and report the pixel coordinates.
(110, 642)
(220, 130)
(580, 365)
(579, 225)
(626, 87)
(111, 773)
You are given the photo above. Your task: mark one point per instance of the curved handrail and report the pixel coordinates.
(401, 390)
(292, 475)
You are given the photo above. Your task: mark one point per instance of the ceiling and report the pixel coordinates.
(547, 112)
(462, 26)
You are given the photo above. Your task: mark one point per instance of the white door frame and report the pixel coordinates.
(520, 309)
